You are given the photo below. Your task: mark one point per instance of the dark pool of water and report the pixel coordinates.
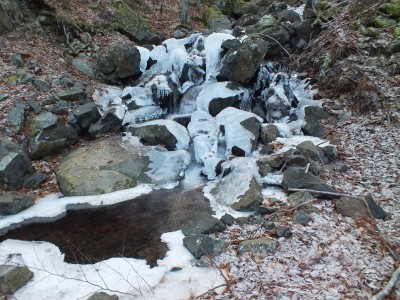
(130, 229)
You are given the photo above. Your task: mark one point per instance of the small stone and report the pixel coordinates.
(308, 149)
(267, 149)
(331, 152)
(227, 219)
(33, 180)
(17, 60)
(258, 245)
(262, 210)
(16, 117)
(102, 296)
(269, 133)
(283, 231)
(375, 209)
(3, 97)
(264, 170)
(299, 197)
(34, 105)
(268, 225)
(301, 217)
(12, 278)
(72, 95)
(41, 85)
(341, 167)
(14, 202)
(200, 244)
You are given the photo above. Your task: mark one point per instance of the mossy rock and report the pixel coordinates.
(396, 32)
(132, 25)
(12, 278)
(215, 19)
(392, 9)
(382, 22)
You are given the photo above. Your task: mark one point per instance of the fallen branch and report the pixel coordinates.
(319, 192)
(280, 45)
(291, 209)
(388, 287)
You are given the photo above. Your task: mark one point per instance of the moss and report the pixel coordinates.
(327, 63)
(382, 22)
(212, 13)
(396, 32)
(392, 9)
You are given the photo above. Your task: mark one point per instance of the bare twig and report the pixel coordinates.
(388, 287)
(280, 45)
(292, 209)
(228, 285)
(319, 192)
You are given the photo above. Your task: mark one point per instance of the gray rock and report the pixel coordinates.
(85, 115)
(283, 231)
(227, 219)
(264, 169)
(275, 162)
(166, 133)
(216, 20)
(49, 135)
(34, 105)
(17, 60)
(268, 225)
(299, 197)
(301, 217)
(60, 107)
(312, 116)
(293, 157)
(341, 167)
(33, 180)
(84, 66)
(13, 277)
(14, 202)
(288, 15)
(109, 122)
(41, 85)
(297, 178)
(109, 165)
(308, 149)
(331, 152)
(269, 133)
(356, 208)
(200, 244)
(241, 65)
(119, 62)
(16, 116)
(247, 19)
(72, 94)
(3, 97)
(13, 167)
(203, 223)
(238, 190)
(258, 245)
(102, 296)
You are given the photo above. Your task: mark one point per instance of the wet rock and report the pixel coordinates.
(119, 62)
(109, 122)
(14, 202)
(258, 245)
(72, 94)
(200, 244)
(228, 219)
(356, 208)
(84, 116)
(301, 217)
(13, 277)
(102, 296)
(238, 190)
(16, 116)
(203, 223)
(269, 133)
(166, 133)
(283, 231)
(240, 65)
(109, 165)
(296, 178)
(49, 135)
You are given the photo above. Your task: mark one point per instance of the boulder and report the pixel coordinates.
(110, 164)
(133, 26)
(240, 65)
(121, 61)
(14, 202)
(238, 190)
(167, 133)
(203, 223)
(200, 244)
(13, 277)
(297, 178)
(242, 129)
(293, 157)
(49, 135)
(216, 20)
(308, 150)
(10, 15)
(102, 296)
(258, 245)
(312, 116)
(14, 165)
